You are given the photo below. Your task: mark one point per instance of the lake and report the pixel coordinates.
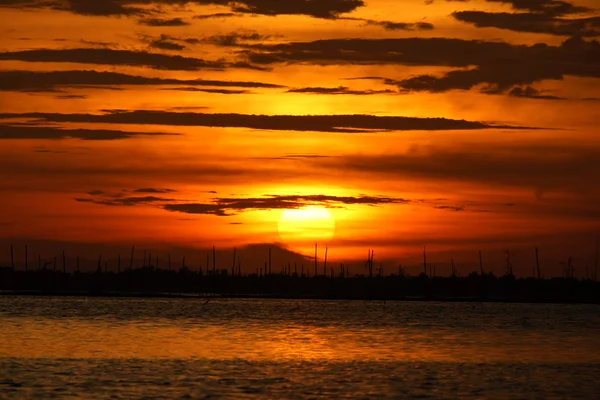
(65, 347)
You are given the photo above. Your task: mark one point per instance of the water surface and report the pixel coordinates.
(236, 348)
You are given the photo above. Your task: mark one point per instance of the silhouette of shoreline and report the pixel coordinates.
(184, 283)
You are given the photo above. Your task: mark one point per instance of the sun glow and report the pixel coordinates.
(306, 225)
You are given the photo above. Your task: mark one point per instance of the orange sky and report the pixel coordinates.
(462, 126)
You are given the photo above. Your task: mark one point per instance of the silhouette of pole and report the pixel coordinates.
(425, 260)
(269, 273)
(12, 257)
(316, 271)
(480, 264)
(452, 264)
(537, 264)
(156, 262)
(169, 261)
(233, 264)
(131, 259)
(596, 259)
(100, 263)
(325, 263)
(25, 258)
(214, 261)
(144, 262)
(207, 264)
(64, 263)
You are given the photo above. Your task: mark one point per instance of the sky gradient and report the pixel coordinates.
(176, 126)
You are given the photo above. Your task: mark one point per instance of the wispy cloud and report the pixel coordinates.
(103, 56)
(44, 132)
(162, 22)
(341, 90)
(54, 80)
(319, 123)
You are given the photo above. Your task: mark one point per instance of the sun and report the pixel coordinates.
(306, 225)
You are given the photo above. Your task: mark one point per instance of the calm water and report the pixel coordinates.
(184, 348)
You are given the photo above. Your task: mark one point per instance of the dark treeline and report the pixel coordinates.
(152, 281)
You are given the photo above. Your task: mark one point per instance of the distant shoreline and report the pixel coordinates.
(207, 296)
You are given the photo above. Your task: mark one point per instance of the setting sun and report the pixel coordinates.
(303, 225)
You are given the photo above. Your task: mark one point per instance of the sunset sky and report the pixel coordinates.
(177, 125)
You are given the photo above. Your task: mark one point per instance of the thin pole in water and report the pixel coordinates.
(537, 264)
(233, 264)
(425, 260)
(596, 259)
(316, 272)
(131, 259)
(325, 263)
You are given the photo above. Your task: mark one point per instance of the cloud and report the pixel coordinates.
(548, 7)
(531, 93)
(120, 57)
(497, 66)
(328, 9)
(394, 26)
(123, 201)
(234, 39)
(318, 123)
(217, 15)
(532, 22)
(217, 91)
(164, 44)
(338, 90)
(71, 97)
(152, 190)
(230, 206)
(44, 132)
(163, 22)
(51, 81)
(92, 8)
